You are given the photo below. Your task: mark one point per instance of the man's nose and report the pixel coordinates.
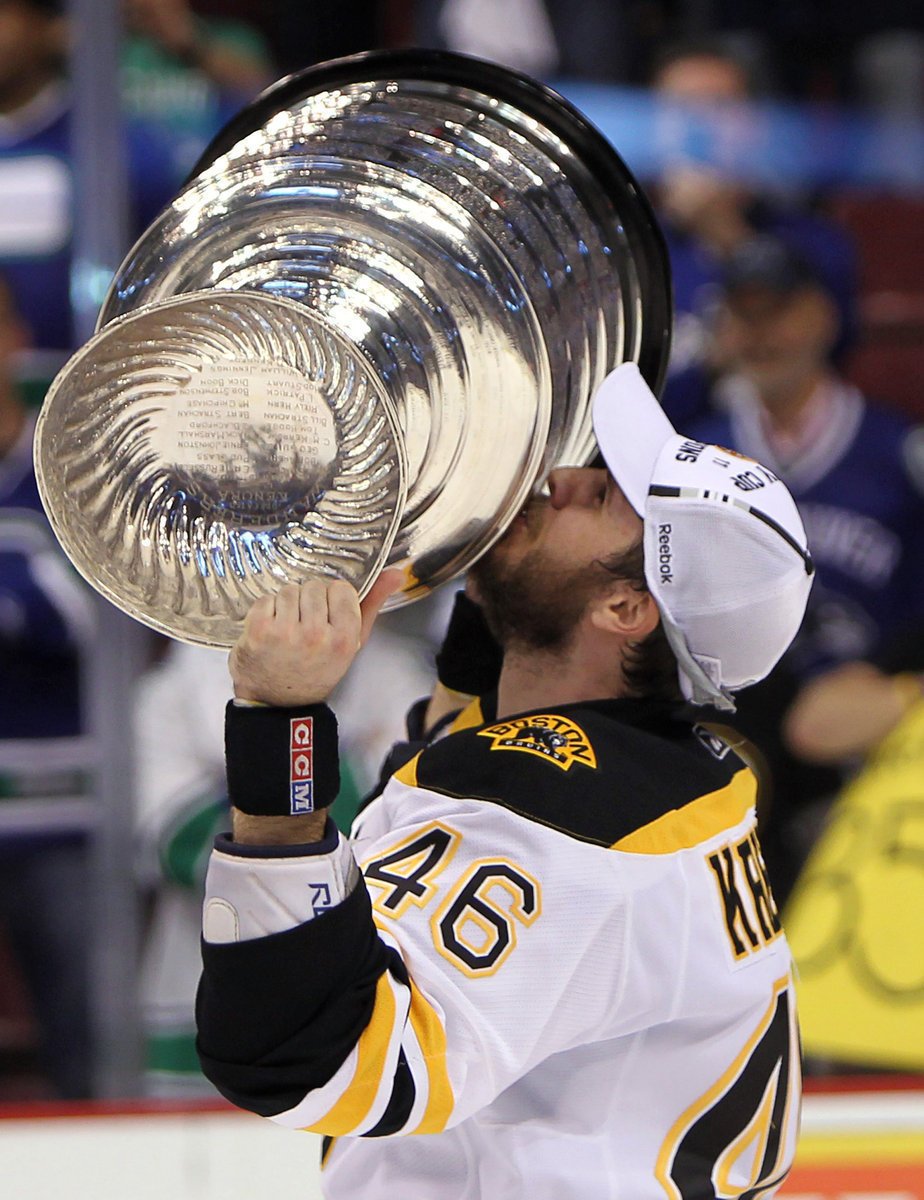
(575, 485)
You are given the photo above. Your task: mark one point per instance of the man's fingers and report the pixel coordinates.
(312, 605)
(287, 604)
(343, 613)
(386, 585)
(261, 612)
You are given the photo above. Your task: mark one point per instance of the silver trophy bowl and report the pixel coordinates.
(432, 250)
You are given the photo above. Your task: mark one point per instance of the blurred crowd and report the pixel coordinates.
(799, 316)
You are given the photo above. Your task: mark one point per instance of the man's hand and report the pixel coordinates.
(847, 712)
(299, 643)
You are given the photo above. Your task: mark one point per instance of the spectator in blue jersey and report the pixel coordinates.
(46, 617)
(35, 177)
(855, 470)
(36, 183)
(706, 216)
(187, 74)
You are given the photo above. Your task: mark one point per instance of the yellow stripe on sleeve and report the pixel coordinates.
(372, 1050)
(469, 718)
(696, 822)
(431, 1037)
(408, 773)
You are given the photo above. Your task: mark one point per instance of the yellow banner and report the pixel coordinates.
(856, 920)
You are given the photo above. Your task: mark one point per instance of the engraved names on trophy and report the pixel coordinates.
(253, 440)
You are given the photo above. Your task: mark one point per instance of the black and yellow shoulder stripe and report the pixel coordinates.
(622, 774)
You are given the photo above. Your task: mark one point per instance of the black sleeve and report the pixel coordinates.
(277, 1016)
(470, 659)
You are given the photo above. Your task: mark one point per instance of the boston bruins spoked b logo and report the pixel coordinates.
(550, 737)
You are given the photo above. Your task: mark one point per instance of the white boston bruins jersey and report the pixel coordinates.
(562, 975)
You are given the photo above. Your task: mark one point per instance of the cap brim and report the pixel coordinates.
(631, 429)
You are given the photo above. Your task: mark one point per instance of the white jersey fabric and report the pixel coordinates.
(588, 994)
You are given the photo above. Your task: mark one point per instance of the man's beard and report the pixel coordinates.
(532, 604)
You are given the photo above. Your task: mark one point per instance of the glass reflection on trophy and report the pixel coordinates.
(368, 325)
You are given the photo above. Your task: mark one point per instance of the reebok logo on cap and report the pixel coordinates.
(664, 554)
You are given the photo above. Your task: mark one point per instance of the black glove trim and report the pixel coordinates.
(225, 843)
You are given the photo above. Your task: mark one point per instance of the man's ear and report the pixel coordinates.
(627, 611)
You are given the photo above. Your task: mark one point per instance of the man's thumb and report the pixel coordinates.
(386, 585)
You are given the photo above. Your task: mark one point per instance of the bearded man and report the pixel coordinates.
(549, 949)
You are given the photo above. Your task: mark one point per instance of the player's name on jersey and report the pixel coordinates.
(752, 920)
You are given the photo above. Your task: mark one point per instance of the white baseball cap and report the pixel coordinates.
(726, 557)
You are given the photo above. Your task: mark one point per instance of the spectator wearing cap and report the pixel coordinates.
(856, 472)
(707, 215)
(855, 469)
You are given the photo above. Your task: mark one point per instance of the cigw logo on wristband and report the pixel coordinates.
(301, 765)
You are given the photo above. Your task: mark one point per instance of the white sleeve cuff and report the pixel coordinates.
(251, 897)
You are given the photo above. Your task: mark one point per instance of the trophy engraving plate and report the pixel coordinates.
(250, 439)
(197, 454)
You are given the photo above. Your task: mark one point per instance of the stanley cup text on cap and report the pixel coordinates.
(370, 322)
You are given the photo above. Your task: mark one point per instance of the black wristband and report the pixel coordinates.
(281, 762)
(469, 659)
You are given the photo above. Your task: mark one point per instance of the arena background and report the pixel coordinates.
(863, 1136)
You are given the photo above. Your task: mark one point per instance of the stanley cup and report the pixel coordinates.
(361, 335)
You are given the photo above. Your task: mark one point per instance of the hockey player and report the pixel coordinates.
(549, 954)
